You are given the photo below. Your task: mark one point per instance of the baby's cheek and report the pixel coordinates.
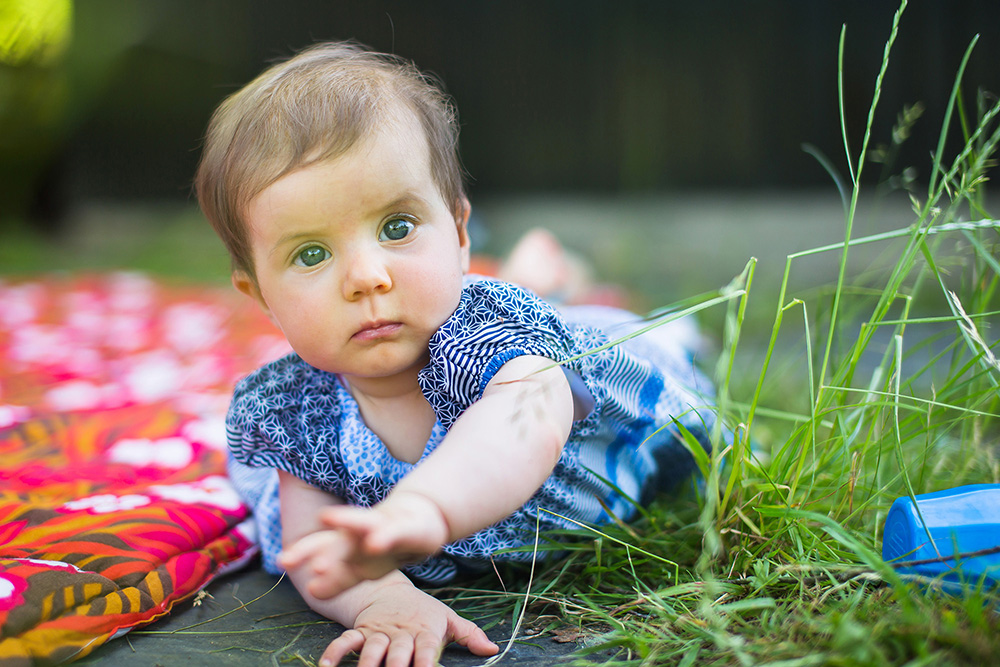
(439, 292)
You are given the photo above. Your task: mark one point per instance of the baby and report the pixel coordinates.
(428, 421)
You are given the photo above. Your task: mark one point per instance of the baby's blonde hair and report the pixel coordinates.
(310, 108)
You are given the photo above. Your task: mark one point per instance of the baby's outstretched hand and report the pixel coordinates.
(332, 562)
(367, 543)
(404, 625)
(406, 525)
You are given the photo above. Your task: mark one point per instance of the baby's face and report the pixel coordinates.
(358, 259)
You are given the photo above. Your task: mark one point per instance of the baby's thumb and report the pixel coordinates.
(471, 636)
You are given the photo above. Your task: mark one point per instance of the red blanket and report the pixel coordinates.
(114, 504)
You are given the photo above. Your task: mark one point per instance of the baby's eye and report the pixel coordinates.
(311, 256)
(395, 230)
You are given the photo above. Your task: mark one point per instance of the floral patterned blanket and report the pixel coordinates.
(114, 504)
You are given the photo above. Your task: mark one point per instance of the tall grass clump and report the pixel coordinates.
(774, 557)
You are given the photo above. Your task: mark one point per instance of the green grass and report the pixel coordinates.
(890, 390)
(169, 241)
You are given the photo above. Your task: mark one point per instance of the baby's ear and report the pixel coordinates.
(244, 283)
(462, 210)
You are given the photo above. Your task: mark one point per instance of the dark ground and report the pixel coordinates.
(277, 629)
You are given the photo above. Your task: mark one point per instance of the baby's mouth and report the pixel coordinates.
(373, 331)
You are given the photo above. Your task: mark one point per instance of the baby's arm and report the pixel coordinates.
(496, 455)
(500, 451)
(388, 618)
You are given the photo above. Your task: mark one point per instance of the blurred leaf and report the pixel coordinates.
(34, 31)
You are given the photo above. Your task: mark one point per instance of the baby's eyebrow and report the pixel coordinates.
(291, 237)
(404, 201)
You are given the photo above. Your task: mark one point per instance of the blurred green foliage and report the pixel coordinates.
(34, 96)
(58, 61)
(34, 30)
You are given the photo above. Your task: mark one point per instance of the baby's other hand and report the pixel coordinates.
(404, 625)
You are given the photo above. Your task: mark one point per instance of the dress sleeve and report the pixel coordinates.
(494, 323)
(284, 416)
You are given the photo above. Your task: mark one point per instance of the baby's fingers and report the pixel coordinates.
(400, 653)
(348, 642)
(376, 645)
(408, 541)
(329, 581)
(377, 536)
(358, 520)
(304, 549)
(426, 650)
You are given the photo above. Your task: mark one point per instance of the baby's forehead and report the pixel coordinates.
(391, 163)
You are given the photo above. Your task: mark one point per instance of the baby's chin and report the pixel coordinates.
(386, 366)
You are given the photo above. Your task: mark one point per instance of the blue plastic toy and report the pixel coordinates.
(962, 520)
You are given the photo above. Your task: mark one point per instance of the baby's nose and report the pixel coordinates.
(366, 273)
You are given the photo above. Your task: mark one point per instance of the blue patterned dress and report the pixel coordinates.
(290, 416)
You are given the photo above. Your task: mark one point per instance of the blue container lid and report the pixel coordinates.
(960, 520)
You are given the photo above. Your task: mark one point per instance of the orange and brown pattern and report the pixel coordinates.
(114, 504)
